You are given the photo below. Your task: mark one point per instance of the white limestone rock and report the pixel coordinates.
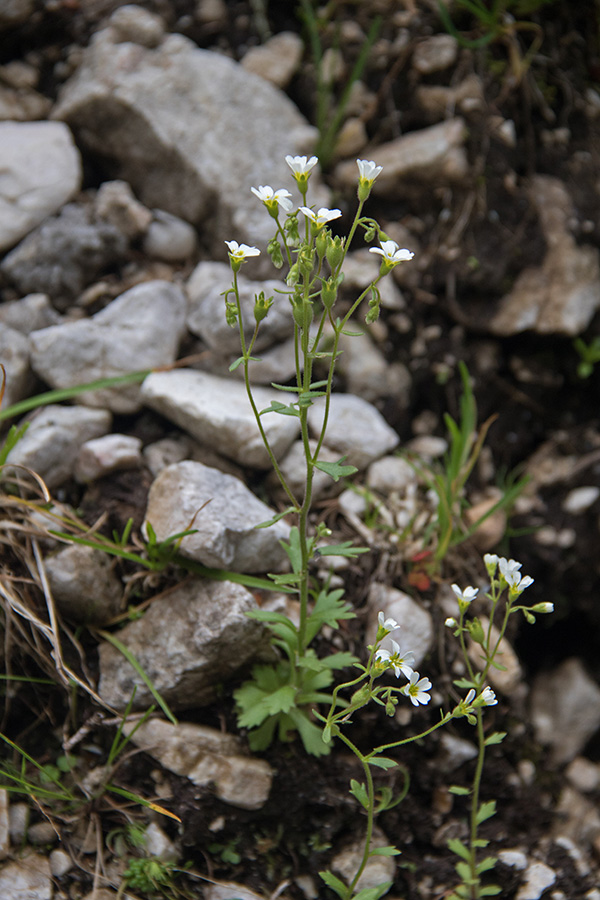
(27, 878)
(355, 428)
(225, 515)
(277, 60)
(40, 171)
(187, 643)
(170, 238)
(52, 441)
(216, 411)
(139, 330)
(110, 453)
(14, 355)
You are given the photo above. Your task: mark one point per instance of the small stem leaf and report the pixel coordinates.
(335, 469)
(490, 890)
(486, 811)
(496, 738)
(358, 790)
(459, 848)
(385, 851)
(486, 864)
(336, 884)
(459, 791)
(382, 762)
(373, 893)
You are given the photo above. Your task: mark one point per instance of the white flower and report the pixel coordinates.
(543, 608)
(273, 198)
(467, 595)
(470, 697)
(400, 663)
(416, 690)
(240, 252)
(491, 563)
(391, 253)
(367, 170)
(323, 216)
(450, 622)
(387, 624)
(488, 697)
(508, 569)
(519, 583)
(300, 165)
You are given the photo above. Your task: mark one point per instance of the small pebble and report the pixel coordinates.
(538, 878)
(60, 863)
(580, 499)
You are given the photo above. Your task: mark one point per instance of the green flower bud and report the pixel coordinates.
(329, 293)
(321, 243)
(262, 306)
(231, 313)
(293, 275)
(335, 251)
(475, 630)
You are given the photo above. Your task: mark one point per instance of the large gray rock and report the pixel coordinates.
(216, 411)
(189, 129)
(139, 330)
(64, 255)
(415, 634)
(224, 513)
(187, 644)
(40, 170)
(52, 441)
(14, 354)
(562, 295)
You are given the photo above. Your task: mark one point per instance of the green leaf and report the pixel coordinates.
(281, 408)
(266, 615)
(496, 738)
(310, 734)
(336, 884)
(358, 790)
(486, 864)
(382, 762)
(340, 660)
(459, 848)
(490, 890)
(373, 893)
(236, 363)
(277, 517)
(459, 791)
(344, 549)
(486, 811)
(385, 851)
(335, 469)
(464, 870)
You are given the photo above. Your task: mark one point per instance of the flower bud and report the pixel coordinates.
(262, 306)
(306, 261)
(475, 630)
(321, 243)
(329, 292)
(335, 251)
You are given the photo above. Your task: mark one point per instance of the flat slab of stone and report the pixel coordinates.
(217, 412)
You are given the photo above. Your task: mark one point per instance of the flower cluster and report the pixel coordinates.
(401, 664)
